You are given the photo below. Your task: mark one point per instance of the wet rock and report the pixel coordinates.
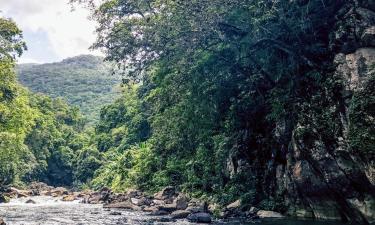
(268, 214)
(160, 213)
(141, 201)
(180, 214)
(158, 202)
(199, 218)
(20, 193)
(151, 209)
(30, 201)
(166, 193)
(59, 191)
(123, 205)
(68, 198)
(168, 207)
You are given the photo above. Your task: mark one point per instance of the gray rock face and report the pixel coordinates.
(313, 177)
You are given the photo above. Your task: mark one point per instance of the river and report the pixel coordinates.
(51, 211)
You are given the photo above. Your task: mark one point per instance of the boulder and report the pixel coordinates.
(158, 202)
(181, 202)
(2, 222)
(159, 213)
(68, 198)
(30, 201)
(168, 207)
(20, 193)
(140, 201)
(166, 193)
(199, 218)
(38, 187)
(196, 205)
(180, 214)
(234, 205)
(268, 214)
(132, 193)
(123, 205)
(59, 191)
(151, 209)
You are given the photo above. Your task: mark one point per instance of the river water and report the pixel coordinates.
(51, 211)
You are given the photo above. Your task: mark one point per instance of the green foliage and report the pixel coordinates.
(217, 78)
(16, 116)
(362, 114)
(83, 81)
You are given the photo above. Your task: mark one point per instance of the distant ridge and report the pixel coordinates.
(84, 81)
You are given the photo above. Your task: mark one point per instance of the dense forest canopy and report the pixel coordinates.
(84, 81)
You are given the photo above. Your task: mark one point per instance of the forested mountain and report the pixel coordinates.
(84, 81)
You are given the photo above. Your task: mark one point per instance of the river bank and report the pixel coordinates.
(41, 203)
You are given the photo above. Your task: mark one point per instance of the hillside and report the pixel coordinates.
(84, 81)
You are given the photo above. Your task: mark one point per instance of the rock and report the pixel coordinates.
(69, 198)
(38, 187)
(123, 205)
(158, 220)
(140, 202)
(160, 213)
(166, 193)
(158, 202)
(150, 209)
(2, 222)
(132, 193)
(195, 209)
(368, 37)
(181, 202)
(30, 201)
(199, 218)
(168, 207)
(234, 205)
(180, 214)
(59, 191)
(20, 193)
(268, 214)
(115, 213)
(253, 210)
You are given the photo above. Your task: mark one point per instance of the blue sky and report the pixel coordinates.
(51, 29)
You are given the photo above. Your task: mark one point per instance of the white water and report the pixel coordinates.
(52, 211)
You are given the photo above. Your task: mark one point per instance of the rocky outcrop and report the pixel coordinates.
(323, 177)
(316, 168)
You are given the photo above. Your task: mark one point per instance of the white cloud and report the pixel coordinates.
(69, 32)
